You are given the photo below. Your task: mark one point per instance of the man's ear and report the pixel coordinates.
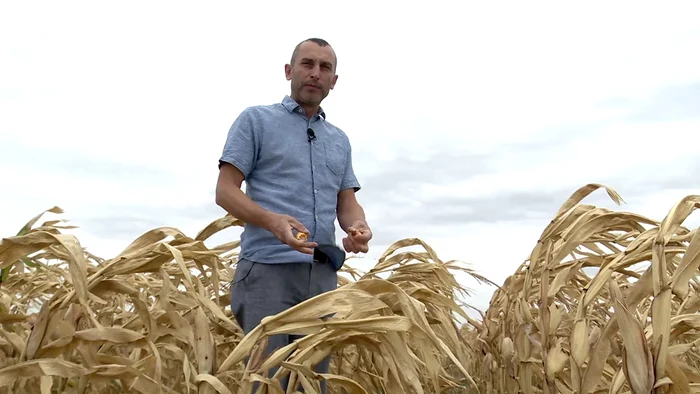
(288, 72)
(335, 79)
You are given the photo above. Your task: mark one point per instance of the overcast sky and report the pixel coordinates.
(470, 124)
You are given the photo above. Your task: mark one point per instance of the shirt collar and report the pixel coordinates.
(292, 106)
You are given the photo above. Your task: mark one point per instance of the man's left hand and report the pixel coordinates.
(358, 238)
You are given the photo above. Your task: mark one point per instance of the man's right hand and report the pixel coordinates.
(281, 226)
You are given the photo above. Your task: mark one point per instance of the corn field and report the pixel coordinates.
(606, 302)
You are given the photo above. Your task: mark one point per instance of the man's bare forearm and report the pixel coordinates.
(240, 206)
(349, 214)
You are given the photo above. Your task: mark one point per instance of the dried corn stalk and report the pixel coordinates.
(607, 302)
(156, 319)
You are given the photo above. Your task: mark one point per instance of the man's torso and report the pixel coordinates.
(294, 176)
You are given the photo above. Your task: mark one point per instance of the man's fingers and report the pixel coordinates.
(299, 242)
(361, 247)
(303, 246)
(298, 226)
(296, 243)
(306, 250)
(359, 234)
(362, 238)
(347, 244)
(355, 231)
(308, 247)
(352, 246)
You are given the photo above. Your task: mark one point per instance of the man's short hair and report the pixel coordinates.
(320, 42)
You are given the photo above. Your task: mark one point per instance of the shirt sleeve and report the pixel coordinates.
(349, 179)
(241, 145)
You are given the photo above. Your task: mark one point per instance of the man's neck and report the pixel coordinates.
(309, 110)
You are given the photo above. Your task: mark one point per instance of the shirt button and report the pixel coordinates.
(315, 191)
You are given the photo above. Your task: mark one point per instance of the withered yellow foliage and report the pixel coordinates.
(607, 302)
(156, 319)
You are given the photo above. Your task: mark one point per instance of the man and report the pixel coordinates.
(299, 179)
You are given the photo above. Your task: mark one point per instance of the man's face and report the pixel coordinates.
(312, 74)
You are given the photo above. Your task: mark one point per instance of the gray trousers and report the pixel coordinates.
(260, 290)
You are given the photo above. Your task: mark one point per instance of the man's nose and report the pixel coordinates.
(316, 72)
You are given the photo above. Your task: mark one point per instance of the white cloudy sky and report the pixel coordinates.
(470, 124)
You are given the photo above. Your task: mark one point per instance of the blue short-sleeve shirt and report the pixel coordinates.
(288, 174)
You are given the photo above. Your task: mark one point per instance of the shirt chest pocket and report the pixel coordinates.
(336, 157)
